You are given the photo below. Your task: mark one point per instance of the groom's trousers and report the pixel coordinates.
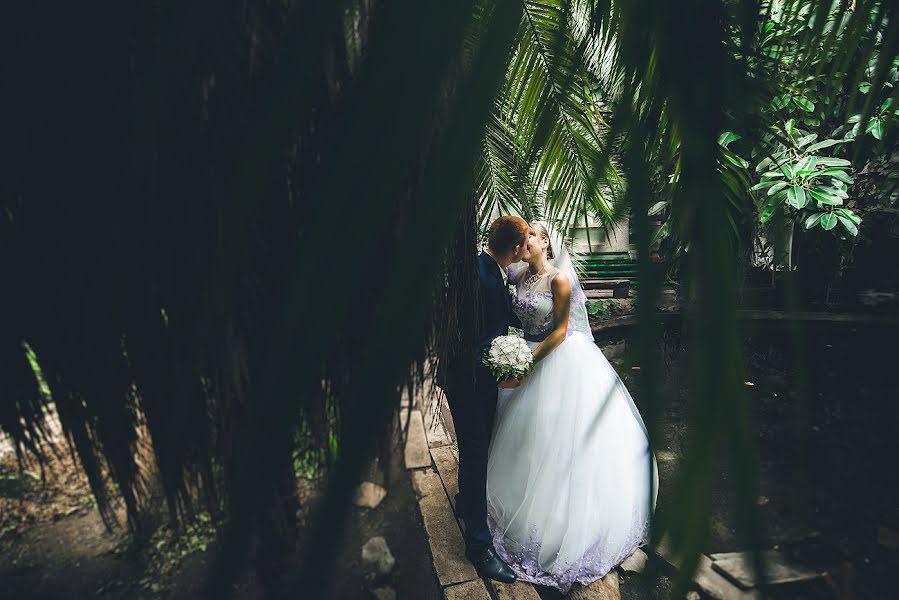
(474, 409)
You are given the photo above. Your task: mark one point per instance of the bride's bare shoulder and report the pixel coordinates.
(560, 284)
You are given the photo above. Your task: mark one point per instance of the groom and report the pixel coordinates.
(471, 390)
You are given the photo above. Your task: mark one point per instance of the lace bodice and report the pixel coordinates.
(533, 301)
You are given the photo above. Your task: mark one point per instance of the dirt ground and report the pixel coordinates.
(827, 486)
(54, 546)
(826, 458)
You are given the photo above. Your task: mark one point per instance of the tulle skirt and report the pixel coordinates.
(571, 481)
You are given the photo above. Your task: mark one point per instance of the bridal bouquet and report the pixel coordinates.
(508, 356)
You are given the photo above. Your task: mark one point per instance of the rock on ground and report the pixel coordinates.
(369, 495)
(603, 589)
(385, 593)
(376, 554)
(636, 562)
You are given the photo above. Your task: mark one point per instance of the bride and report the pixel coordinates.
(571, 481)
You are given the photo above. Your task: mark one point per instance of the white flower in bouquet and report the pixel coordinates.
(508, 356)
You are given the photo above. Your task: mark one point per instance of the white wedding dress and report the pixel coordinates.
(571, 481)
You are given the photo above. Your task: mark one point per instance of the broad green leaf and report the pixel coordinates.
(822, 144)
(807, 139)
(763, 185)
(855, 118)
(833, 191)
(824, 198)
(778, 187)
(806, 165)
(727, 137)
(769, 210)
(864, 87)
(877, 129)
(834, 172)
(657, 208)
(848, 225)
(886, 105)
(828, 221)
(804, 103)
(736, 160)
(849, 215)
(828, 161)
(775, 174)
(796, 197)
(813, 220)
(763, 164)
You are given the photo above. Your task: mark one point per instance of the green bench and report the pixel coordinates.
(614, 270)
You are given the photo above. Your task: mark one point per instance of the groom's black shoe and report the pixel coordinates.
(488, 564)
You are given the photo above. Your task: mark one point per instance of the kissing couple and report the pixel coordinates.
(557, 482)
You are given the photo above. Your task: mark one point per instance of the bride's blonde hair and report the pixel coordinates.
(541, 229)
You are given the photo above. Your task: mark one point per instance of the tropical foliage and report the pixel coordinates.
(196, 194)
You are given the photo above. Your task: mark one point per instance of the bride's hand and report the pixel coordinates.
(511, 382)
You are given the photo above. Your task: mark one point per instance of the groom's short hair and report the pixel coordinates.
(507, 232)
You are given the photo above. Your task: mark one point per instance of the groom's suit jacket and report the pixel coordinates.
(496, 306)
(494, 318)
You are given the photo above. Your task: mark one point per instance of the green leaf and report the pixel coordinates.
(807, 139)
(849, 215)
(769, 210)
(813, 220)
(828, 221)
(834, 172)
(780, 102)
(834, 191)
(804, 104)
(763, 185)
(796, 197)
(657, 208)
(775, 174)
(886, 105)
(823, 197)
(877, 129)
(822, 144)
(727, 137)
(827, 161)
(855, 118)
(778, 187)
(806, 165)
(763, 164)
(848, 225)
(864, 87)
(736, 160)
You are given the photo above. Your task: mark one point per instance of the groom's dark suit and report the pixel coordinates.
(471, 390)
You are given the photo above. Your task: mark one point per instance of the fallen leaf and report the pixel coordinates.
(762, 500)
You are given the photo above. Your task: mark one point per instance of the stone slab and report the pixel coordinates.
(737, 566)
(706, 578)
(513, 591)
(448, 469)
(404, 419)
(426, 482)
(470, 590)
(445, 539)
(416, 453)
